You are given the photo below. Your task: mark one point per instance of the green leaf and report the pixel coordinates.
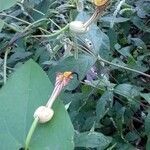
(103, 104)
(92, 140)
(44, 6)
(119, 119)
(18, 56)
(147, 124)
(117, 61)
(127, 90)
(115, 20)
(139, 43)
(146, 96)
(112, 37)
(148, 143)
(99, 41)
(5, 4)
(125, 51)
(26, 90)
(140, 24)
(1, 24)
(147, 130)
(80, 65)
(132, 136)
(125, 146)
(143, 8)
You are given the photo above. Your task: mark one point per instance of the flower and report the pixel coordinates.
(82, 27)
(62, 79)
(100, 2)
(45, 113)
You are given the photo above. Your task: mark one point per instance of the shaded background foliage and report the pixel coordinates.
(109, 106)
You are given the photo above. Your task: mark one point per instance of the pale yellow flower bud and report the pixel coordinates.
(78, 27)
(44, 114)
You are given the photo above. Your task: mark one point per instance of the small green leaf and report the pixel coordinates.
(112, 37)
(26, 90)
(147, 130)
(132, 136)
(117, 61)
(5, 4)
(125, 51)
(116, 20)
(127, 90)
(147, 124)
(1, 24)
(148, 143)
(92, 140)
(139, 43)
(140, 24)
(125, 146)
(146, 96)
(119, 120)
(103, 104)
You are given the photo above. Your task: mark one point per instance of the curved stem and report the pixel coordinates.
(34, 23)
(123, 67)
(96, 14)
(92, 19)
(30, 133)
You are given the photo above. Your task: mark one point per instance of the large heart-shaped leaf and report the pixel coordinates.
(27, 89)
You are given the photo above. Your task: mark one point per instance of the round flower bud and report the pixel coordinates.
(44, 114)
(78, 27)
(100, 2)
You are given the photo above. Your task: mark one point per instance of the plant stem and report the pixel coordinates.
(53, 34)
(116, 12)
(26, 22)
(84, 49)
(92, 19)
(6, 15)
(54, 95)
(34, 24)
(30, 133)
(96, 14)
(123, 67)
(76, 48)
(5, 65)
